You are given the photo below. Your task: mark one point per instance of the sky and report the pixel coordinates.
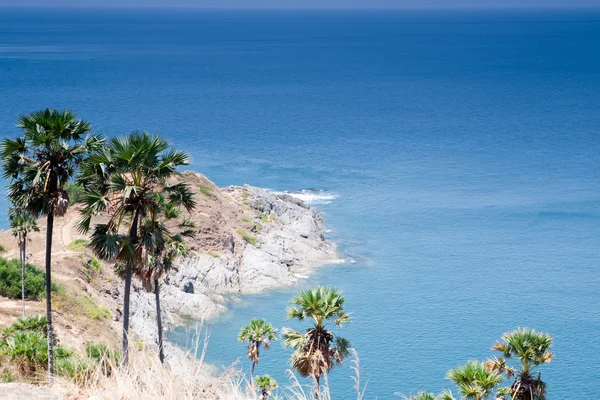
(310, 3)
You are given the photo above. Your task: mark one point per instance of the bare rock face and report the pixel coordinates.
(249, 240)
(22, 391)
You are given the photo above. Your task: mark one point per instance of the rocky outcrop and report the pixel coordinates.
(248, 240)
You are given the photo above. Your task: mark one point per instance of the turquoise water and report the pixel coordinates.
(462, 147)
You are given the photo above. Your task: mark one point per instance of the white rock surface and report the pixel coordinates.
(289, 242)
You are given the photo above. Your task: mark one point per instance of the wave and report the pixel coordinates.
(312, 196)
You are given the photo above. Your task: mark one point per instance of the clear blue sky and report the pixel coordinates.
(309, 3)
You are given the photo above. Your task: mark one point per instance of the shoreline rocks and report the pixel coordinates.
(249, 240)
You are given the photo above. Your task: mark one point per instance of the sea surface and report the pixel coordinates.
(454, 155)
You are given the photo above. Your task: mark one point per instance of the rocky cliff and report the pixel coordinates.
(248, 240)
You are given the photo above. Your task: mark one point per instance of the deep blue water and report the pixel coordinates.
(463, 148)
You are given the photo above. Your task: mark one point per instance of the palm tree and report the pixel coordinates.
(162, 247)
(266, 385)
(529, 349)
(317, 350)
(39, 164)
(257, 333)
(474, 380)
(123, 179)
(21, 224)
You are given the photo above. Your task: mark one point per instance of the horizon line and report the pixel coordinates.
(259, 8)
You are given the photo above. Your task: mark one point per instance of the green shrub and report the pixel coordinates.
(75, 192)
(27, 350)
(2, 249)
(263, 217)
(77, 245)
(75, 368)
(10, 280)
(248, 237)
(101, 352)
(35, 323)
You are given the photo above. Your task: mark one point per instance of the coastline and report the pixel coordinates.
(249, 240)
(252, 240)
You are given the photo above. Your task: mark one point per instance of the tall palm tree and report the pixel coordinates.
(38, 165)
(162, 247)
(528, 349)
(266, 385)
(257, 333)
(317, 350)
(21, 224)
(474, 380)
(123, 179)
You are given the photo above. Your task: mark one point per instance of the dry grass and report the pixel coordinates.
(146, 378)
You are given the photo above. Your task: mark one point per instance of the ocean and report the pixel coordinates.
(453, 154)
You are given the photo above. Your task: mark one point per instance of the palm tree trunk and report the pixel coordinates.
(252, 373)
(50, 226)
(22, 244)
(161, 353)
(317, 387)
(265, 394)
(126, 295)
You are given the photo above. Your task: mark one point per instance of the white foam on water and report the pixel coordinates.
(312, 196)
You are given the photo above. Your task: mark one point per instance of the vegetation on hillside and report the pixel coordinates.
(38, 165)
(10, 280)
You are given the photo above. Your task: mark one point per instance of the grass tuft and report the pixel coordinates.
(77, 245)
(205, 190)
(247, 236)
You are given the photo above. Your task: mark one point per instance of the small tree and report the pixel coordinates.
(257, 333)
(21, 224)
(528, 349)
(317, 350)
(266, 385)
